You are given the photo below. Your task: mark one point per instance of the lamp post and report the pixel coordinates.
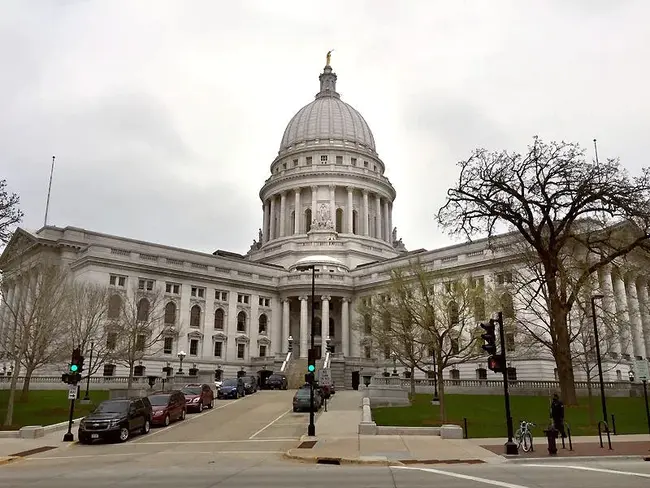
(90, 365)
(394, 356)
(181, 355)
(290, 344)
(435, 400)
(598, 361)
(311, 429)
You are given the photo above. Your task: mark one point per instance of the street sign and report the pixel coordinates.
(325, 378)
(72, 392)
(642, 370)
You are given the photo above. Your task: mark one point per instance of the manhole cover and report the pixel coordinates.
(307, 444)
(33, 451)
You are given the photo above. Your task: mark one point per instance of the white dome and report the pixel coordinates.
(327, 117)
(321, 260)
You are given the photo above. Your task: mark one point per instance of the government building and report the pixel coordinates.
(327, 207)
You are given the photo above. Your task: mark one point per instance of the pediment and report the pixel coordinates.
(170, 331)
(195, 334)
(21, 242)
(264, 340)
(242, 338)
(219, 336)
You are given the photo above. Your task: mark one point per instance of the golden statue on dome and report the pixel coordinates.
(329, 57)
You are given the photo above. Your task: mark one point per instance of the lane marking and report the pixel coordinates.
(463, 476)
(183, 422)
(275, 439)
(584, 468)
(270, 424)
(175, 453)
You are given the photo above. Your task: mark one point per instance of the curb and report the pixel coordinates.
(553, 459)
(377, 460)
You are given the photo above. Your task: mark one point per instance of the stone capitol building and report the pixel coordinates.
(326, 204)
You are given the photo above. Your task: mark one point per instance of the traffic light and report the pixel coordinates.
(311, 360)
(489, 337)
(496, 363)
(65, 377)
(77, 364)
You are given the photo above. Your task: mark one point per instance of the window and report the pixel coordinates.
(508, 306)
(365, 164)
(114, 307)
(218, 319)
(143, 310)
(241, 322)
(173, 288)
(355, 222)
(481, 374)
(339, 220)
(308, 220)
(454, 374)
(245, 299)
(194, 347)
(339, 159)
(218, 349)
(455, 345)
(367, 352)
(198, 292)
(263, 322)
(241, 351)
(295, 163)
(264, 302)
(170, 313)
(262, 351)
(454, 316)
(117, 280)
(168, 345)
(479, 309)
(331, 328)
(111, 341)
(144, 284)
(221, 295)
(511, 373)
(109, 370)
(284, 165)
(387, 352)
(140, 342)
(510, 341)
(430, 374)
(138, 370)
(353, 161)
(323, 159)
(195, 316)
(318, 326)
(374, 167)
(503, 278)
(309, 158)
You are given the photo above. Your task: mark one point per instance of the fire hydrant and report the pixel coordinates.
(551, 436)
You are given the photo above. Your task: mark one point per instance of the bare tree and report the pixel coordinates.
(556, 202)
(135, 327)
(10, 214)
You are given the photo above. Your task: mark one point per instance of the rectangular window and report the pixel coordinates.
(194, 347)
(339, 159)
(109, 370)
(262, 351)
(241, 351)
(144, 284)
(365, 164)
(309, 160)
(111, 341)
(264, 302)
(295, 163)
(198, 292)
(323, 159)
(173, 288)
(284, 165)
(510, 341)
(168, 345)
(353, 161)
(503, 278)
(245, 299)
(221, 295)
(117, 280)
(367, 352)
(218, 349)
(140, 342)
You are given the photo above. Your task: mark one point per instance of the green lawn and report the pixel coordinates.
(45, 407)
(486, 414)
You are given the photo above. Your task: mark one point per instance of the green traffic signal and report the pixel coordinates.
(311, 368)
(74, 368)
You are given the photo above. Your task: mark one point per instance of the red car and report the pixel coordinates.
(167, 407)
(197, 397)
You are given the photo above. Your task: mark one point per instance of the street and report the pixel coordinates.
(240, 443)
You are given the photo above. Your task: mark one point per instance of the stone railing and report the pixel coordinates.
(97, 382)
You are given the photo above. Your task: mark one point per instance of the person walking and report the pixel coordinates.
(557, 414)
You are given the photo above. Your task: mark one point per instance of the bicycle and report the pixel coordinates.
(523, 436)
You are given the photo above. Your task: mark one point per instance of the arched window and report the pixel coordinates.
(332, 327)
(454, 317)
(355, 222)
(143, 310)
(138, 371)
(318, 326)
(218, 319)
(195, 316)
(114, 307)
(293, 222)
(241, 322)
(263, 321)
(170, 313)
(307, 220)
(339, 220)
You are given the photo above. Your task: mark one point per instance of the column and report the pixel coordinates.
(635, 317)
(314, 201)
(304, 331)
(609, 309)
(283, 212)
(364, 224)
(390, 220)
(386, 223)
(325, 323)
(297, 211)
(333, 204)
(642, 293)
(350, 209)
(378, 210)
(355, 335)
(345, 326)
(265, 233)
(623, 322)
(272, 219)
(285, 325)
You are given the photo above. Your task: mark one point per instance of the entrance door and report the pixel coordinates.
(263, 376)
(355, 380)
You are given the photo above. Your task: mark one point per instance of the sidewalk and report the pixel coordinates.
(12, 449)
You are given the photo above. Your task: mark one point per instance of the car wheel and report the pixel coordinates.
(183, 414)
(146, 427)
(211, 404)
(167, 420)
(124, 434)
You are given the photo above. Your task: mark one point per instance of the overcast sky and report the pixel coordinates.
(164, 116)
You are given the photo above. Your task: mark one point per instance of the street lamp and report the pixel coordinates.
(290, 344)
(181, 355)
(598, 361)
(394, 356)
(311, 429)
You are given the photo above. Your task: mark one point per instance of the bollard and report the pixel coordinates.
(465, 434)
(568, 433)
(600, 435)
(551, 436)
(613, 424)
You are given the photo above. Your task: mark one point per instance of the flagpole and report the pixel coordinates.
(49, 189)
(596, 151)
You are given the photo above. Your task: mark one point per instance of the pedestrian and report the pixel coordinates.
(557, 414)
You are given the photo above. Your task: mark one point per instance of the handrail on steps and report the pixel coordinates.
(285, 363)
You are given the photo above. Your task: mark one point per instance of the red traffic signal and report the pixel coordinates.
(496, 363)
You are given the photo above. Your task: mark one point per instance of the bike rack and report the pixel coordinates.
(465, 434)
(600, 435)
(567, 428)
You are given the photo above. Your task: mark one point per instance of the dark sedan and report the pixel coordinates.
(231, 388)
(302, 399)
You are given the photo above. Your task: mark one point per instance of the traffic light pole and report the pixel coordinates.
(311, 429)
(511, 447)
(68, 436)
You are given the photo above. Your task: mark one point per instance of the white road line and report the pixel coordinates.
(276, 439)
(269, 424)
(122, 454)
(463, 476)
(584, 468)
(179, 423)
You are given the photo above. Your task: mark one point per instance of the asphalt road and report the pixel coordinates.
(240, 444)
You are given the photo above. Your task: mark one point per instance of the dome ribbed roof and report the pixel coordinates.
(327, 117)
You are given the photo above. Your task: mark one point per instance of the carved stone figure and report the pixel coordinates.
(322, 220)
(259, 235)
(394, 237)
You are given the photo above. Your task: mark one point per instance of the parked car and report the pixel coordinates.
(231, 388)
(277, 381)
(198, 396)
(167, 407)
(116, 420)
(250, 384)
(302, 399)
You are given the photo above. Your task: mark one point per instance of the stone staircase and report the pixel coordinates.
(296, 373)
